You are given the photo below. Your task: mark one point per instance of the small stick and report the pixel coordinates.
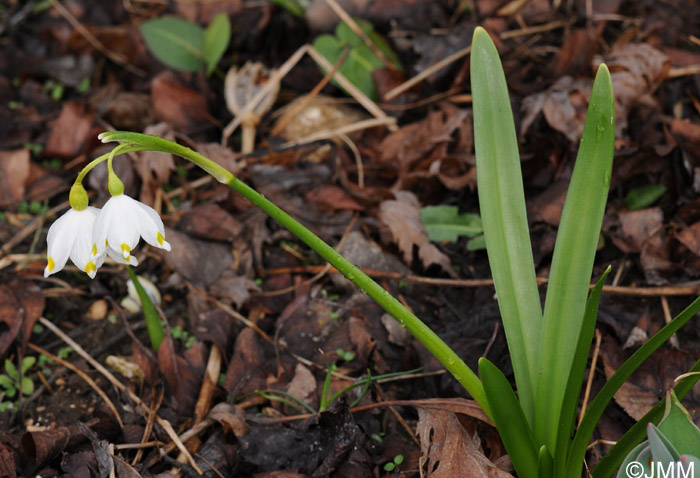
(121, 387)
(668, 318)
(349, 128)
(410, 83)
(352, 24)
(591, 373)
(264, 91)
(359, 96)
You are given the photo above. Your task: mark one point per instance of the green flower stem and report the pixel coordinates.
(435, 345)
(101, 159)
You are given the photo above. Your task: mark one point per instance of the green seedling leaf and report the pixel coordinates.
(578, 369)
(444, 223)
(295, 7)
(574, 254)
(216, 40)
(612, 459)
(176, 42)
(477, 243)
(11, 370)
(639, 198)
(150, 314)
(27, 363)
(11, 392)
(504, 218)
(513, 428)
(361, 60)
(6, 382)
(662, 450)
(27, 386)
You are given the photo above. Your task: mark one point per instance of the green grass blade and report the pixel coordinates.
(578, 370)
(601, 400)
(607, 466)
(574, 252)
(504, 218)
(510, 420)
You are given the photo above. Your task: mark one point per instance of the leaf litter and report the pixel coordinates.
(236, 281)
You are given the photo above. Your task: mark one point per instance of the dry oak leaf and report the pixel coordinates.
(402, 217)
(447, 450)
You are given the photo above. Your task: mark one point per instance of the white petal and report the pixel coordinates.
(151, 227)
(116, 227)
(70, 236)
(81, 252)
(116, 256)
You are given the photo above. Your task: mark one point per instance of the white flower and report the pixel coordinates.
(122, 222)
(71, 236)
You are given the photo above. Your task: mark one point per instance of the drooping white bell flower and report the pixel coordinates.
(71, 236)
(122, 221)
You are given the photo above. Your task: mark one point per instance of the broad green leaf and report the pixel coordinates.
(504, 218)
(477, 243)
(574, 253)
(216, 40)
(361, 60)
(176, 42)
(639, 198)
(11, 369)
(27, 386)
(578, 369)
(444, 223)
(611, 461)
(6, 382)
(634, 455)
(510, 421)
(27, 363)
(662, 450)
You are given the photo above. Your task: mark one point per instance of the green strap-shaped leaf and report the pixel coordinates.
(510, 420)
(150, 315)
(574, 253)
(216, 39)
(612, 460)
(578, 370)
(504, 218)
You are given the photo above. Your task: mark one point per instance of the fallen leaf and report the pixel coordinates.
(21, 305)
(548, 205)
(201, 262)
(178, 105)
(637, 69)
(71, 131)
(42, 185)
(688, 136)
(690, 238)
(14, 172)
(231, 417)
(634, 400)
(209, 221)
(332, 198)
(234, 288)
(303, 386)
(402, 217)
(448, 450)
(245, 373)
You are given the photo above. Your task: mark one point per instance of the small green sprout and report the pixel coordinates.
(392, 465)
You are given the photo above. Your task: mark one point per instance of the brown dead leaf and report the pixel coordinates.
(234, 288)
(690, 238)
(14, 172)
(71, 131)
(575, 55)
(634, 400)
(21, 305)
(245, 373)
(563, 104)
(548, 205)
(449, 451)
(637, 69)
(688, 136)
(178, 105)
(42, 185)
(402, 217)
(153, 167)
(303, 386)
(639, 227)
(332, 198)
(231, 417)
(201, 262)
(209, 221)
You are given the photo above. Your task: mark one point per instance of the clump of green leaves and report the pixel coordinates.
(444, 223)
(179, 333)
(186, 46)
(361, 61)
(14, 381)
